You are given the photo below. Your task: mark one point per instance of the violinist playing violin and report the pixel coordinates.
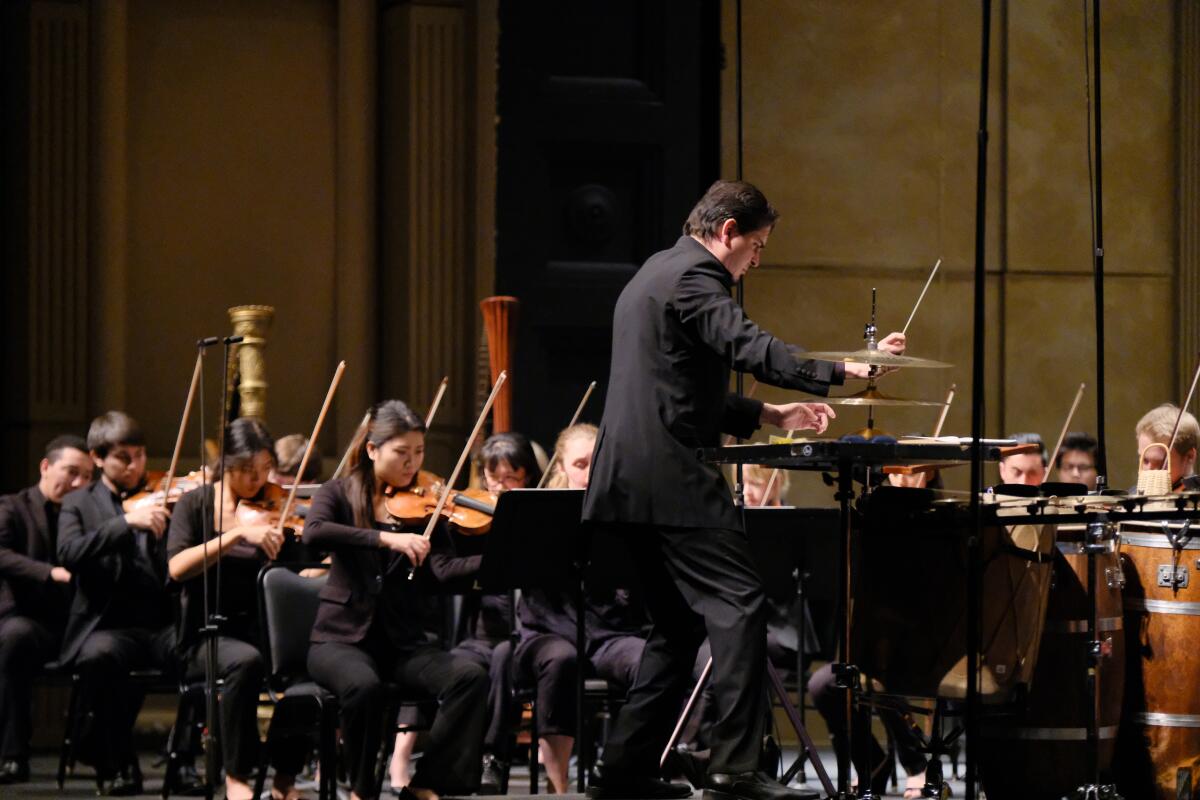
(120, 617)
(368, 630)
(248, 541)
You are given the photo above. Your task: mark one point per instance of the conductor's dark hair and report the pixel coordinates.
(1032, 438)
(245, 438)
(1083, 442)
(113, 428)
(737, 200)
(67, 441)
(515, 449)
(386, 420)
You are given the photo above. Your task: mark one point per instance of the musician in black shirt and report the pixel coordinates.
(247, 544)
(34, 592)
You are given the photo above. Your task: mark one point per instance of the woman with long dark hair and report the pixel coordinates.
(368, 630)
(242, 550)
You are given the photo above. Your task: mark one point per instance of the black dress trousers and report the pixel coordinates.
(695, 580)
(25, 646)
(356, 673)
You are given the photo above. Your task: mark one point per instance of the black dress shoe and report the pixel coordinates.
(126, 783)
(14, 771)
(494, 779)
(691, 765)
(752, 786)
(605, 784)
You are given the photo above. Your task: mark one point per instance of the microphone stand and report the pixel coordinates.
(210, 713)
(212, 614)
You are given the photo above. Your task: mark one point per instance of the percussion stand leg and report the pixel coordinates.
(845, 674)
(809, 751)
(1098, 537)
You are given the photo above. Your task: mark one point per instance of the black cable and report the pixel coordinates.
(1098, 259)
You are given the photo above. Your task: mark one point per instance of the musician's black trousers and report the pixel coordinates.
(549, 663)
(868, 756)
(104, 662)
(25, 646)
(452, 761)
(240, 668)
(696, 580)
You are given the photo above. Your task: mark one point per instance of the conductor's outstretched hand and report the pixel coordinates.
(893, 343)
(798, 416)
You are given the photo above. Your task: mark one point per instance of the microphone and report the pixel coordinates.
(234, 339)
(208, 341)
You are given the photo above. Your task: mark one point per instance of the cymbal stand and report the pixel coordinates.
(844, 672)
(1100, 533)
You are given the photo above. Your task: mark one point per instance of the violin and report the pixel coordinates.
(469, 510)
(152, 490)
(267, 506)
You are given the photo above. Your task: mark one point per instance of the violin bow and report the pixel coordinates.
(337, 473)
(578, 411)
(1066, 425)
(774, 477)
(187, 412)
(437, 401)
(1183, 410)
(312, 441)
(462, 459)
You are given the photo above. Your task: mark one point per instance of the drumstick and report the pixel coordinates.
(1063, 434)
(937, 431)
(1183, 408)
(921, 297)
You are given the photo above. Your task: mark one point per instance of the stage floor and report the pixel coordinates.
(82, 785)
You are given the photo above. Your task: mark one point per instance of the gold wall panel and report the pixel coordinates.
(1048, 209)
(1189, 194)
(231, 144)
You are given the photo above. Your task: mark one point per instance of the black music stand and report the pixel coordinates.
(537, 541)
(783, 541)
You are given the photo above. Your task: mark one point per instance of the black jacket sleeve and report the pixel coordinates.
(79, 548)
(327, 526)
(13, 561)
(705, 307)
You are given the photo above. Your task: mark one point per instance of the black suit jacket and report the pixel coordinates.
(351, 597)
(27, 553)
(676, 335)
(97, 545)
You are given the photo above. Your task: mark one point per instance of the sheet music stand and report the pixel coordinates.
(537, 541)
(784, 540)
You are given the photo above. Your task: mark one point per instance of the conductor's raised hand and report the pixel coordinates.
(798, 416)
(410, 544)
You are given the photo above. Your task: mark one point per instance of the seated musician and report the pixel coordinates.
(869, 757)
(368, 633)
(121, 615)
(34, 593)
(243, 549)
(1025, 468)
(1156, 427)
(614, 627)
(289, 452)
(507, 461)
(1076, 460)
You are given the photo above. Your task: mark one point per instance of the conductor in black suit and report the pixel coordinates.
(677, 333)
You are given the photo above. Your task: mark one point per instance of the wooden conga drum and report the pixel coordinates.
(1158, 755)
(1041, 751)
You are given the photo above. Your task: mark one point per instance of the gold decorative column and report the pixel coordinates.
(251, 323)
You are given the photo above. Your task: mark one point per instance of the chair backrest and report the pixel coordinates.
(288, 608)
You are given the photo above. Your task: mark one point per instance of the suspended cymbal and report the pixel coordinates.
(873, 397)
(879, 358)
